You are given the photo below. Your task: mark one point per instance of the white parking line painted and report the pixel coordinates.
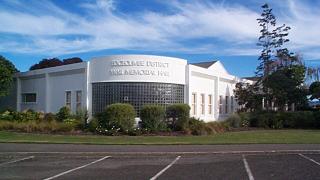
(18, 160)
(74, 169)
(164, 169)
(246, 165)
(310, 159)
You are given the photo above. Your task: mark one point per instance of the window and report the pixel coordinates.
(202, 104)
(194, 103)
(137, 94)
(232, 104)
(68, 99)
(79, 99)
(220, 104)
(29, 98)
(210, 104)
(227, 105)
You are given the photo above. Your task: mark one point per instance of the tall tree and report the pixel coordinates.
(7, 70)
(272, 54)
(271, 40)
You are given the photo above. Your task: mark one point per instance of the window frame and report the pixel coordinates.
(203, 104)
(68, 104)
(210, 104)
(78, 101)
(226, 105)
(24, 98)
(194, 103)
(220, 104)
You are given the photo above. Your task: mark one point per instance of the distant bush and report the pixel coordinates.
(49, 117)
(64, 113)
(153, 117)
(33, 126)
(278, 120)
(93, 125)
(117, 116)
(53, 62)
(199, 127)
(178, 116)
(82, 116)
(234, 120)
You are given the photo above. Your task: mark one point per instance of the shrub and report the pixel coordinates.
(244, 119)
(30, 115)
(278, 120)
(117, 116)
(152, 117)
(82, 116)
(196, 127)
(49, 117)
(64, 113)
(6, 116)
(92, 125)
(316, 115)
(178, 116)
(33, 126)
(217, 127)
(234, 120)
(199, 127)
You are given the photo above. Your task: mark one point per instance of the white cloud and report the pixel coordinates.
(225, 29)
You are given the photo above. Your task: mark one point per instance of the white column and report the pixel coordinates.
(47, 94)
(216, 98)
(88, 91)
(18, 94)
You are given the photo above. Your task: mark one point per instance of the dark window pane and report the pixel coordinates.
(136, 94)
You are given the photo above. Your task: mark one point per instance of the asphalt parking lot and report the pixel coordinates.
(254, 164)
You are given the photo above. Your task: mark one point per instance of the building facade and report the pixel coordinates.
(136, 79)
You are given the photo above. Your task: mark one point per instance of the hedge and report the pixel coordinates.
(277, 120)
(117, 116)
(178, 116)
(153, 118)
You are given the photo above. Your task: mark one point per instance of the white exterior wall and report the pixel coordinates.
(213, 80)
(51, 84)
(33, 84)
(108, 69)
(60, 83)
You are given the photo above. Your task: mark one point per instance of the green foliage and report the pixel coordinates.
(33, 126)
(117, 116)
(64, 113)
(53, 62)
(234, 120)
(93, 125)
(82, 116)
(314, 90)
(178, 116)
(153, 117)
(278, 120)
(49, 117)
(198, 127)
(285, 86)
(248, 97)
(7, 70)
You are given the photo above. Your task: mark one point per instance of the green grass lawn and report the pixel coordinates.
(242, 137)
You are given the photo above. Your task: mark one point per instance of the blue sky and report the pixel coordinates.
(195, 30)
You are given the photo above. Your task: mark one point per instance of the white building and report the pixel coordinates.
(136, 79)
